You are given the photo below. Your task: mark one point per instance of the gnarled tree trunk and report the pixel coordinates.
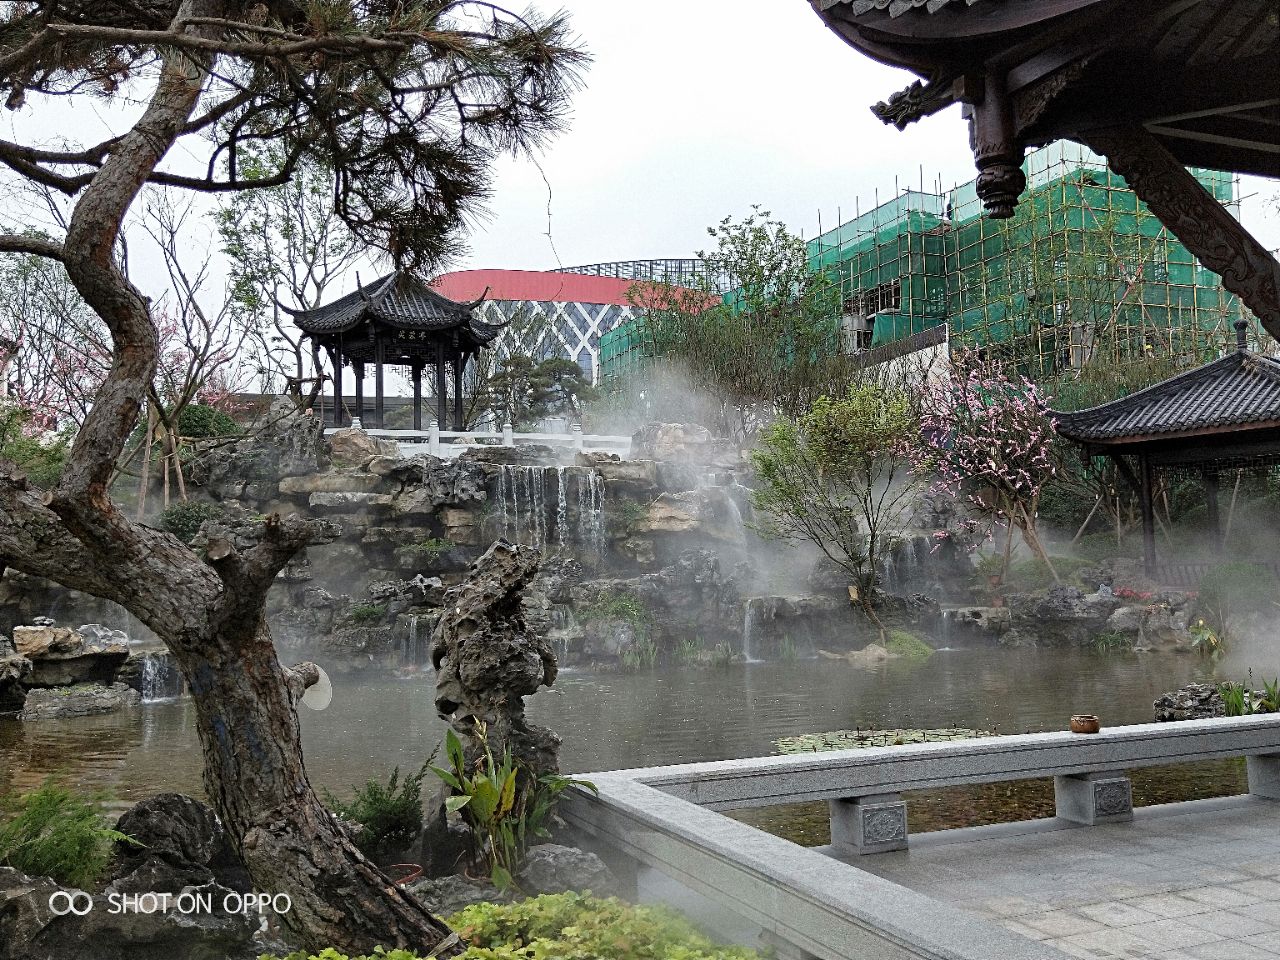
(208, 610)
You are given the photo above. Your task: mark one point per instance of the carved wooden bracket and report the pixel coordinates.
(1192, 214)
(996, 149)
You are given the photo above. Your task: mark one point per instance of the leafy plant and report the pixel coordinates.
(908, 646)
(431, 548)
(1241, 699)
(787, 648)
(504, 813)
(51, 832)
(184, 518)
(1206, 641)
(39, 458)
(367, 614)
(202, 420)
(618, 606)
(567, 926)
(688, 649)
(1112, 640)
(642, 654)
(390, 814)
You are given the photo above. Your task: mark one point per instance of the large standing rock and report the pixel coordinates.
(356, 448)
(488, 659)
(1195, 701)
(24, 911)
(552, 868)
(14, 670)
(284, 443)
(180, 841)
(81, 700)
(445, 896)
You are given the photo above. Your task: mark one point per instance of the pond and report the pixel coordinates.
(618, 720)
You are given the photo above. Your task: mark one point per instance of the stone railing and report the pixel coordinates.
(447, 444)
(809, 904)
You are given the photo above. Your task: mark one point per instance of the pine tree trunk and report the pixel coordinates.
(208, 609)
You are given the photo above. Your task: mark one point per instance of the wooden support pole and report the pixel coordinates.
(336, 356)
(417, 395)
(1148, 518)
(459, 361)
(379, 403)
(441, 410)
(1211, 507)
(358, 370)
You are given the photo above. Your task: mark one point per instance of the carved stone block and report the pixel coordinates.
(1091, 798)
(869, 824)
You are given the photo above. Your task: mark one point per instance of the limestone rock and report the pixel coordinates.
(552, 868)
(333, 481)
(447, 895)
(487, 659)
(106, 935)
(677, 442)
(24, 911)
(81, 700)
(708, 512)
(443, 483)
(96, 634)
(349, 502)
(181, 839)
(356, 448)
(1195, 701)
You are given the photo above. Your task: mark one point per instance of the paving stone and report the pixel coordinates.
(1174, 933)
(1117, 914)
(1169, 905)
(1061, 923)
(1107, 944)
(1231, 924)
(1230, 950)
(1267, 911)
(1222, 897)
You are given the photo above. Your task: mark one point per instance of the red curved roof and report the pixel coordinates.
(465, 285)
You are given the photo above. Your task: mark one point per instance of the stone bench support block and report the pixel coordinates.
(1264, 775)
(1091, 798)
(875, 824)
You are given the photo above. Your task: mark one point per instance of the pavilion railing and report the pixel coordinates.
(450, 443)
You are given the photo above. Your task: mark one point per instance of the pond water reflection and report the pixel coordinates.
(611, 721)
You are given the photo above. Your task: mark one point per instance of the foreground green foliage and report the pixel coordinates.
(504, 810)
(390, 813)
(1241, 700)
(40, 459)
(51, 832)
(568, 926)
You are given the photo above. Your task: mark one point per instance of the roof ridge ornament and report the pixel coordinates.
(1242, 335)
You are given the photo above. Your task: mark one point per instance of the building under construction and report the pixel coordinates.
(1083, 272)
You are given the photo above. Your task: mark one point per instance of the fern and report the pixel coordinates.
(51, 832)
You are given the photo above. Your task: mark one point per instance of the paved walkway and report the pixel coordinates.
(1192, 881)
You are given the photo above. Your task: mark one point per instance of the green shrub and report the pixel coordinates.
(202, 420)
(367, 614)
(41, 460)
(390, 814)
(425, 551)
(51, 832)
(642, 654)
(1112, 640)
(183, 519)
(908, 646)
(569, 926)
(618, 606)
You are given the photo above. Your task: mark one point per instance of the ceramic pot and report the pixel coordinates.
(1085, 723)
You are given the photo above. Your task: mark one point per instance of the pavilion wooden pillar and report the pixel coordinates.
(1145, 491)
(379, 403)
(335, 357)
(459, 361)
(416, 376)
(1212, 512)
(441, 409)
(358, 369)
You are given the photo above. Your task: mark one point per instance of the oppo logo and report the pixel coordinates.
(62, 902)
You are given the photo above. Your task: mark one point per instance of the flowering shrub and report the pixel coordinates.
(1126, 593)
(987, 437)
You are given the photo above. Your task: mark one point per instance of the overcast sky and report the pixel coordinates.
(696, 109)
(692, 111)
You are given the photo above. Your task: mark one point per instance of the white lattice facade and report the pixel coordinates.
(547, 328)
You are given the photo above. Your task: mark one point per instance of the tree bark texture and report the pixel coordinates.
(209, 612)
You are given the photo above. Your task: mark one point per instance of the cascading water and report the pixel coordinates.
(160, 679)
(750, 625)
(562, 506)
(415, 645)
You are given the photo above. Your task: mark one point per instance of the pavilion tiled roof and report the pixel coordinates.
(895, 7)
(1234, 392)
(398, 300)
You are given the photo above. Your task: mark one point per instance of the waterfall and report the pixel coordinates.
(562, 506)
(415, 647)
(591, 512)
(502, 498)
(750, 624)
(160, 679)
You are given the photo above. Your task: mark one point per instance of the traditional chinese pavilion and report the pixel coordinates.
(1223, 416)
(398, 321)
(1152, 85)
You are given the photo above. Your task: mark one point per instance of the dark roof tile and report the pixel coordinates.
(398, 300)
(1239, 389)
